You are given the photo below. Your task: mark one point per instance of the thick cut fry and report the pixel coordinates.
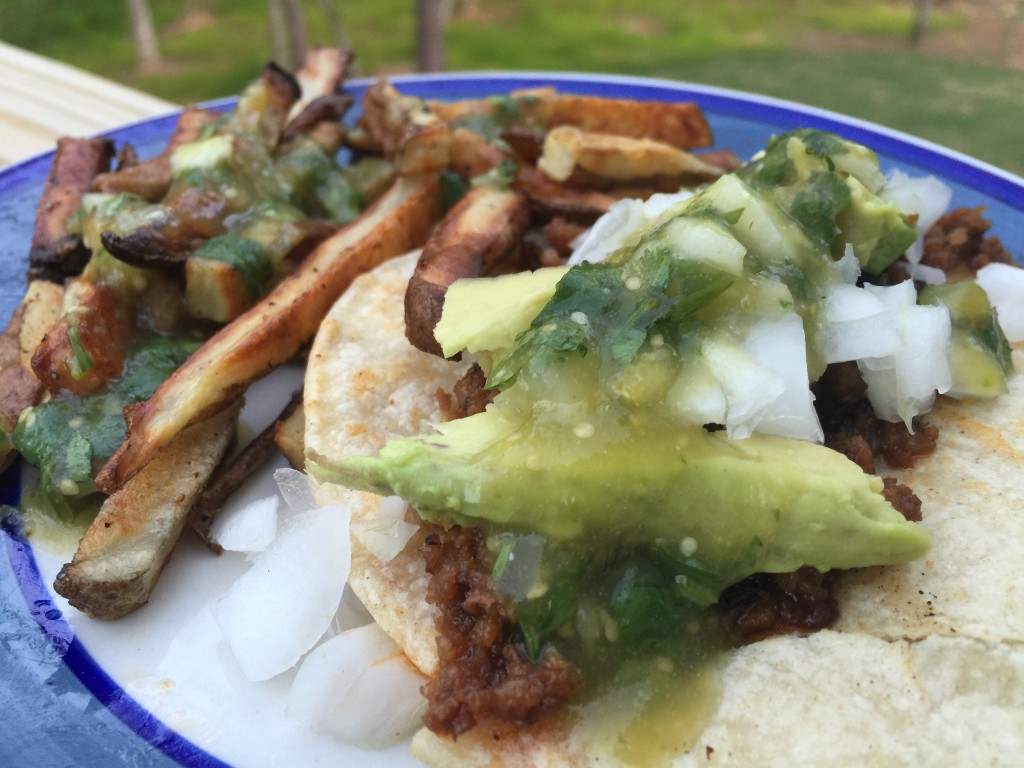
(553, 198)
(322, 72)
(472, 155)
(227, 478)
(485, 225)
(289, 434)
(682, 125)
(152, 178)
(273, 330)
(56, 253)
(408, 133)
(122, 554)
(86, 348)
(19, 388)
(609, 159)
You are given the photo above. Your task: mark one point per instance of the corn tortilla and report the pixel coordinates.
(924, 667)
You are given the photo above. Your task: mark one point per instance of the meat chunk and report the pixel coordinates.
(484, 673)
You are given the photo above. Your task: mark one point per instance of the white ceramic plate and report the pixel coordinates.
(158, 688)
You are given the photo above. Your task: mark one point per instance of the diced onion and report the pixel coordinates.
(623, 225)
(278, 609)
(387, 533)
(250, 527)
(1004, 285)
(358, 688)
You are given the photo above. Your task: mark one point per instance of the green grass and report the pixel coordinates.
(747, 44)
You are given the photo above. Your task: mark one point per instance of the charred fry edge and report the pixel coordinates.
(121, 556)
(273, 330)
(56, 253)
(486, 224)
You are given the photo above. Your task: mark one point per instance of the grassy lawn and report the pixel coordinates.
(213, 47)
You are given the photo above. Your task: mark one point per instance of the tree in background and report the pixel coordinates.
(431, 16)
(922, 10)
(147, 50)
(289, 37)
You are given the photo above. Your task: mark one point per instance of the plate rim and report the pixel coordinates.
(976, 174)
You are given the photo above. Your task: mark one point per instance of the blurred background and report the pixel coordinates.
(951, 71)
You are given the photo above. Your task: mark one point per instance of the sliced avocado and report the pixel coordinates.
(806, 504)
(485, 314)
(980, 355)
(875, 228)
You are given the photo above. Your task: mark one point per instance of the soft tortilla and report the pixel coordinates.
(925, 667)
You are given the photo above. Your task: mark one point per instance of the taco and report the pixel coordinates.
(923, 663)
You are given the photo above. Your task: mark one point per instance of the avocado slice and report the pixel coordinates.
(804, 503)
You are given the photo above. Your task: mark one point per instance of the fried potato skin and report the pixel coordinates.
(483, 226)
(123, 552)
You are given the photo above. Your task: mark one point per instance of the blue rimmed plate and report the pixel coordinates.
(75, 691)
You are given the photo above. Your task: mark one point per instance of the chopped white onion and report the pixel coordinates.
(1004, 285)
(249, 528)
(278, 609)
(903, 384)
(697, 395)
(623, 225)
(857, 325)
(780, 346)
(387, 533)
(750, 387)
(358, 688)
(297, 489)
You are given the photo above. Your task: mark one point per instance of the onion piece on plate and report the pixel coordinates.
(281, 606)
(359, 688)
(1004, 285)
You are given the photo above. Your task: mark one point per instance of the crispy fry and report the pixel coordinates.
(485, 225)
(322, 72)
(552, 198)
(228, 477)
(152, 178)
(681, 125)
(122, 554)
(289, 434)
(273, 330)
(86, 347)
(56, 253)
(609, 159)
(471, 155)
(19, 388)
(409, 134)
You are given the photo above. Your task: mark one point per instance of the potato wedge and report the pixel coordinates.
(610, 159)
(56, 253)
(485, 225)
(681, 124)
(407, 132)
(289, 434)
(273, 330)
(120, 558)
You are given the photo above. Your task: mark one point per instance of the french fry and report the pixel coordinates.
(608, 159)
(289, 434)
(120, 558)
(226, 478)
(680, 124)
(273, 330)
(19, 388)
(56, 253)
(483, 226)
(407, 132)
(152, 178)
(553, 198)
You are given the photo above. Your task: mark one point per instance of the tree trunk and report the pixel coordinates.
(147, 50)
(280, 51)
(922, 10)
(297, 33)
(430, 20)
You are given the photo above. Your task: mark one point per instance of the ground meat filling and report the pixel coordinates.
(957, 243)
(468, 397)
(767, 604)
(484, 673)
